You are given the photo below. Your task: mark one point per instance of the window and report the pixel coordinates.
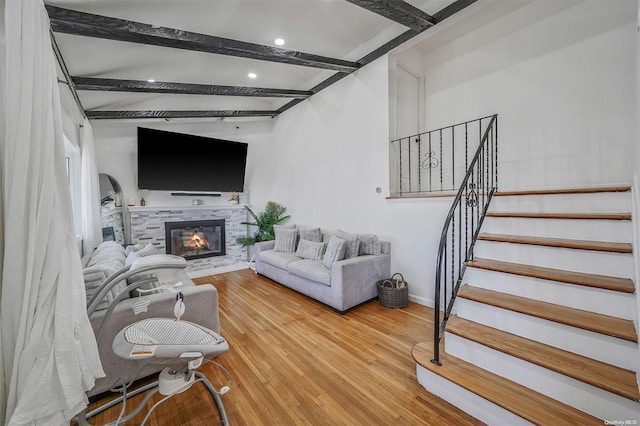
(73, 165)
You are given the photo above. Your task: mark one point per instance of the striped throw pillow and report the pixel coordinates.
(352, 242)
(369, 244)
(336, 248)
(310, 234)
(310, 249)
(286, 239)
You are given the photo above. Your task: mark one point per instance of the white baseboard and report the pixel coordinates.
(219, 270)
(421, 300)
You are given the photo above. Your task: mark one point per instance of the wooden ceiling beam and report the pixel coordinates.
(398, 11)
(123, 115)
(116, 85)
(90, 25)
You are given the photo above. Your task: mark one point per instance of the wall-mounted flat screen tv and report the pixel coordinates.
(170, 161)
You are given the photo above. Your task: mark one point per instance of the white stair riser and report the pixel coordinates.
(619, 231)
(586, 261)
(587, 398)
(608, 202)
(606, 302)
(472, 404)
(600, 347)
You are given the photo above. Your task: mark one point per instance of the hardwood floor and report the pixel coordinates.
(296, 361)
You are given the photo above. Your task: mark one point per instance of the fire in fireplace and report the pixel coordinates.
(195, 239)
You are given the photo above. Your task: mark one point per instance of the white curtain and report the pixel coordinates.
(90, 192)
(49, 353)
(3, 60)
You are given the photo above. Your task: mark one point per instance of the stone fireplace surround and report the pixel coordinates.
(147, 226)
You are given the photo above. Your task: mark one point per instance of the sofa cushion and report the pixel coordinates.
(278, 259)
(310, 234)
(336, 248)
(311, 270)
(369, 244)
(286, 239)
(93, 278)
(310, 249)
(109, 251)
(105, 260)
(135, 247)
(148, 250)
(352, 242)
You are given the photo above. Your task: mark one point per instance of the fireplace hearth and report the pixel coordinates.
(195, 239)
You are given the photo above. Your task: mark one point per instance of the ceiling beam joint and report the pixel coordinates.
(398, 11)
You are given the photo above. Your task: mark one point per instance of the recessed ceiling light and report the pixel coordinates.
(151, 80)
(252, 75)
(279, 41)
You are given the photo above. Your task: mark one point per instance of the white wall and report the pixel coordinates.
(561, 79)
(332, 152)
(116, 149)
(561, 75)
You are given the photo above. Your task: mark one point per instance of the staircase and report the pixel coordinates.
(543, 327)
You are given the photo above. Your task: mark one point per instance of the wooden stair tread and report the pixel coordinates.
(579, 278)
(596, 373)
(559, 242)
(623, 188)
(522, 401)
(578, 216)
(598, 323)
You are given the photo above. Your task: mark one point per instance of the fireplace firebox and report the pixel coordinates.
(195, 239)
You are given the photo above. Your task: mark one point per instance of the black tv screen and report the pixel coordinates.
(170, 161)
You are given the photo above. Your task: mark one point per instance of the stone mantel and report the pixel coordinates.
(191, 207)
(147, 226)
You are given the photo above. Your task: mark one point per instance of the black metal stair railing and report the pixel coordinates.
(461, 228)
(436, 160)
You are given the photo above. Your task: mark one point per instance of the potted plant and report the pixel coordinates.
(273, 214)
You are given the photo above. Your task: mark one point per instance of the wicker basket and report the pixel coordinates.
(393, 292)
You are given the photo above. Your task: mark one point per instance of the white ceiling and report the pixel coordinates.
(332, 28)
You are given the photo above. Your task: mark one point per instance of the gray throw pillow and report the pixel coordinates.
(312, 250)
(286, 239)
(369, 244)
(310, 234)
(336, 248)
(128, 249)
(326, 235)
(148, 250)
(109, 251)
(352, 242)
(291, 226)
